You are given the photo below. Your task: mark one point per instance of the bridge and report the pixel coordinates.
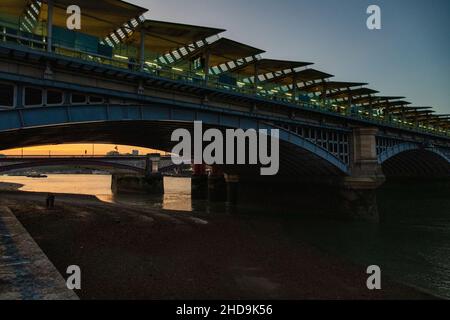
(143, 165)
(123, 79)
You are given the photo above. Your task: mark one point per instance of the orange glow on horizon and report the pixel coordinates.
(76, 150)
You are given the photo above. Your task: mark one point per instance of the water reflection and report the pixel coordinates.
(177, 197)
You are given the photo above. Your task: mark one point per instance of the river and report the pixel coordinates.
(411, 245)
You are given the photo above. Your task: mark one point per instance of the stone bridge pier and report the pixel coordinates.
(358, 190)
(150, 183)
(350, 196)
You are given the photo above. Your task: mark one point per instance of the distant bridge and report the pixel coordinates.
(137, 164)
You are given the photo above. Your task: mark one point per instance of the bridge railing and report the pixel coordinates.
(270, 92)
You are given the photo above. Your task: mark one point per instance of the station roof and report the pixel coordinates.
(415, 114)
(389, 104)
(265, 66)
(347, 94)
(403, 109)
(13, 8)
(163, 37)
(420, 116)
(226, 50)
(222, 51)
(99, 17)
(299, 77)
(331, 85)
(375, 99)
(440, 118)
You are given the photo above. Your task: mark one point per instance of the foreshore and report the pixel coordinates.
(139, 253)
(9, 186)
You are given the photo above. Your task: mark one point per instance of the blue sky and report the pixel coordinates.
(410, 56)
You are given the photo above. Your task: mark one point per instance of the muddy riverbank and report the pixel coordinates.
(134, 253)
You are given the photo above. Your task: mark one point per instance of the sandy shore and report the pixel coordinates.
(133, 253)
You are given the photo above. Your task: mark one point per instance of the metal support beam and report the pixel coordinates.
(294, 87)
(142, 52)
(49, 25)
(206, 66)
(256, 78)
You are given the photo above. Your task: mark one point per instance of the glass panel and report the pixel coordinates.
(6, 95)
(33, 97)
(54, 97)
(78, 98)
(95, 99)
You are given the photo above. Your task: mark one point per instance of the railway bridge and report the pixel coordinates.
(123, 79)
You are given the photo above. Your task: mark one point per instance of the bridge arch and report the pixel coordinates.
(409, 146)
(151, 126)
(69, 162)
(412, 159)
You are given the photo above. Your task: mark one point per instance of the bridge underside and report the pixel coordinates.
(417, 163)
(295, 163)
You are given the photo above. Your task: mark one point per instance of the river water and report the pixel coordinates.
(411, 245)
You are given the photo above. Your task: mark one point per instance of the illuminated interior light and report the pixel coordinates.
(120, 57)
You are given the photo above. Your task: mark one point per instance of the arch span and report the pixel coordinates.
(414, 160)
(151, 127)
(405, 147)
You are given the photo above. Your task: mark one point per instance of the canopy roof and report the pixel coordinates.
(440, 119)
(441, 116)
(403, 109)
(389, 104)
(373, 99)
(417, 112)
(99, 18)
(226, 50)
(299, 77)
(13, 8)
(162, 37)
(330, 85)
(347, 94)
(420, 115)
(222, 51)
(265, 66)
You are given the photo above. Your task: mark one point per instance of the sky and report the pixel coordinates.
(75, 150)
(409, 56)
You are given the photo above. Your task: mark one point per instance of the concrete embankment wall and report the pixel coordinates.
(25, 271)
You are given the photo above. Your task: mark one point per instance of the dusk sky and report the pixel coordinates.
(408, 57)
